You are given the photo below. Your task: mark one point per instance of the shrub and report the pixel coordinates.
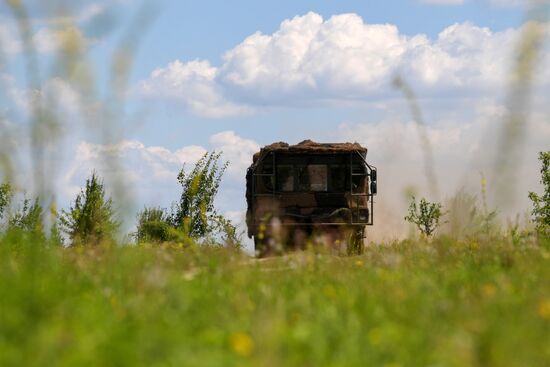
(195, 213)
(541, 203)
(91, 220)
(5, 198)
(153, 225)
(228, 232)
(426, 216)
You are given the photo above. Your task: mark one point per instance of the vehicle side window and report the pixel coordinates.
(338, 176)
(285, 178)
(302, 178)
(359, 179)
(264, 179)
(317, 177)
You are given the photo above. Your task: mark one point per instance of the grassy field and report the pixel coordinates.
(443, 303)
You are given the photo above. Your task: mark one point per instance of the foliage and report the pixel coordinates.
(154, 226)
(541, 203)
(91, 220)
(195, 216)
(56, 231)
(29, 218)
(5, 197)
(195, 212)
(426, 216)
(227, 231)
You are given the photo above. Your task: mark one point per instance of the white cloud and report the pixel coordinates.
(61, 99)
(464, 57)
(152, 170)
(237, 150)
(16, 96)
(140, 162)
(192, 84)
(48, 40)
(309, 60)
(9, 43)
(51, 28)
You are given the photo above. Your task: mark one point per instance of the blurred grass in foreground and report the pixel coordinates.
(444, 303)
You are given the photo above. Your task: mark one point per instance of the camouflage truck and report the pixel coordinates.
(296, 191)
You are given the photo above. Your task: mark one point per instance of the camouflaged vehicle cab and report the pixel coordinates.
(295, 191)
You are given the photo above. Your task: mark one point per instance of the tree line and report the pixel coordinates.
(91, 218)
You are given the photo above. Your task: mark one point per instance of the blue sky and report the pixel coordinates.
(234, 76)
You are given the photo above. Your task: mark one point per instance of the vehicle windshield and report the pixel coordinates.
(312, 177)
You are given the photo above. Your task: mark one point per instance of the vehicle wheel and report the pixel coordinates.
(261, 246)
(356, 242)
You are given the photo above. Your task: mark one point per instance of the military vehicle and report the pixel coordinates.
(309, 189)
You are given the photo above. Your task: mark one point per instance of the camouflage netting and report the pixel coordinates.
(309, 146)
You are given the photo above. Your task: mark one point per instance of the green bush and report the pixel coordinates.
(153, 226)
(426, 216)
(5, 198)
(541, 203)
(194, 216)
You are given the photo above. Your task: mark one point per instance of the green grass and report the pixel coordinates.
(444, 303)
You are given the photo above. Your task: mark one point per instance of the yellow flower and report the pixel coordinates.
(242, 344)
(544, 309)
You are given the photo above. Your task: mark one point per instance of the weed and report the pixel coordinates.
(426, 216)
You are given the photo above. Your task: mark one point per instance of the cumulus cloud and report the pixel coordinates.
(237, 150)
(140, 162)
(194, 85)
(9, 45)
(49, 40)
(152, 170)
(81, 24)
(45, 39)
(311, 60)
(62, 100)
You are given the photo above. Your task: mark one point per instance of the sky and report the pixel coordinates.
(235, 76)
